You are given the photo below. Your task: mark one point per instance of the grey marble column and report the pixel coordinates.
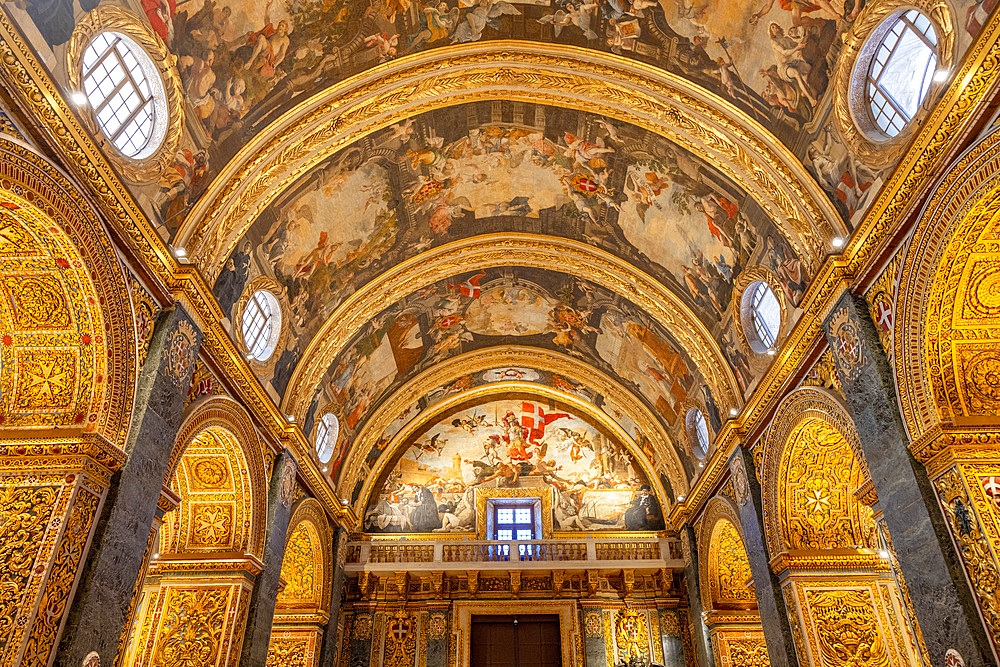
(328, 651)
(700, 638)
(260, 616)
(671, 638)
(945, 607)
(100, 609)
(770, 602)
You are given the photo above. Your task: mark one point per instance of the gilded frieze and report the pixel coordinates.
(192, 627)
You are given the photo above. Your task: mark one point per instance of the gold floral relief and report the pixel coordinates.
(301, 568)
(818, 476)
(289, 650)
(732, 567)
(847, 628)
(213, 525)
(748, 652)
(192, 626)
(24, 514)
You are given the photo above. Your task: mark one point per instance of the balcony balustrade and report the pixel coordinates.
(463, 555)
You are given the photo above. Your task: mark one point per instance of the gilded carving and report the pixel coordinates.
(631, 637)
(400, 640)
(56, 595)
(287, 652)
(820, 510)
(748, 652)
(847, 628)
(973, 546)
(733, 566)
(847, 344)
(180, 352)
(24, 515)
(302, 567)
(192, 626)
(881, 297)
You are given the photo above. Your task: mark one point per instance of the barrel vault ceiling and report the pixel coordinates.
(462, 202)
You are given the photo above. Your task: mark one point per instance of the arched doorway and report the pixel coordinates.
(301, 612)
(208, 550)
(727, 590)
(832, 558)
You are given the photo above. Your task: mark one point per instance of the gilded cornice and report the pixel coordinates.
(482, 360)
(510, 249)
(559, 75)
(497, 390)
(821, 563)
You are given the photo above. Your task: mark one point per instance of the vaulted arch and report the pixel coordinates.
(947, 329)
(69, 334)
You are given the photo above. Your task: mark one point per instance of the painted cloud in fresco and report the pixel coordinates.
(513, 444)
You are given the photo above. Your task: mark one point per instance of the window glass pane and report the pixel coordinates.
(765, 314)
(522, 515)
(901, 71)
(505, 515)
(524, 534)
(505, 535)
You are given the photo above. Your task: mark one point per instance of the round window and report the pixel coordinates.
(761, 316)
(897, 66)
(261, 325)
(327, 432)
(697, 429)
(125, 92)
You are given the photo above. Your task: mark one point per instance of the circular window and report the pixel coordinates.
(761, 307)
(902, 55)
(125, 92)
(261, 325)
(327, 432)
(697, 429)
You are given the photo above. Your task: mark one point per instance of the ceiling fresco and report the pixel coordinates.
(245, 62)
(349, 475)
(507, 167)
(527, 307)
(513, 444)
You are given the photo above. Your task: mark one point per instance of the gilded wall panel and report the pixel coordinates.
(294, 648)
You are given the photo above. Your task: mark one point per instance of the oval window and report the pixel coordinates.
(125, 93)
(902, 57)
(762, 309)
(697, 429)
(327, 432)
(261, 325)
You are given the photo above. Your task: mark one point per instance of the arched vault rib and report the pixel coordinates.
(499, 250)
(402, 438)
(522, 71)
(483, 360)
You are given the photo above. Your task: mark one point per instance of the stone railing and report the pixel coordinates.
(445, 554)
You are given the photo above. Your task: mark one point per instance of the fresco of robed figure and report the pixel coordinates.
(513, 444)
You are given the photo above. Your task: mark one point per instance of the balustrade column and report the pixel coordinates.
(106, 594)
(946, 609)
(702, 641)
(260, 616)
(770, 601)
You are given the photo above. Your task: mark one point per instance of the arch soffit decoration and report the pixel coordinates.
(802, 405)
(718, 510)
(35, 183)
(309, 512)
(502, 250)
(226, 415)
(482, 360)
(572, 77)
(947, 327)
(402, 439)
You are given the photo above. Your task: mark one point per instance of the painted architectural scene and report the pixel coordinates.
(513, 444)
(492, 168)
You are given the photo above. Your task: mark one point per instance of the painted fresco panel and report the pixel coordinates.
(513, 444)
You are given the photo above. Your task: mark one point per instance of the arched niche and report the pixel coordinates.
(823, 539)
(946, 338)
(209, 549)
(302, 608)
(729, 602)
(68, 339)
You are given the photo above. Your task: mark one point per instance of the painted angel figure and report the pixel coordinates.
(485, 12)
(440, 22)
(579, 15)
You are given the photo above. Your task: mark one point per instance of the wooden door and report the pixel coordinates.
(523, 640)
